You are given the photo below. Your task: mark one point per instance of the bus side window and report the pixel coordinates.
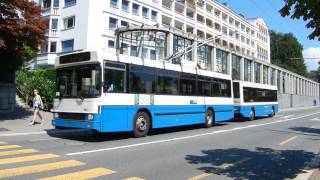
(114, 81)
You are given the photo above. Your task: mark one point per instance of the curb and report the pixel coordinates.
(298, 108)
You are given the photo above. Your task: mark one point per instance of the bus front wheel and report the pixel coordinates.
(209, 120)
(141, 124)
(252, 115)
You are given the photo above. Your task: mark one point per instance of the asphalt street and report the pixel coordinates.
(281, 147)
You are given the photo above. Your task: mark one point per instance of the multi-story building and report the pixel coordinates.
(204, 18)
(50, 10)
(238, 46)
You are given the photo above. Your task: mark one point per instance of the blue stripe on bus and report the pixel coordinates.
(120, 118)
(260, 110)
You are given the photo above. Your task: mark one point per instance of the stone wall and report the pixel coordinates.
(7, 98)
(291, 100)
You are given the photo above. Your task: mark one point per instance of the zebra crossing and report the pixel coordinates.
(18, 156)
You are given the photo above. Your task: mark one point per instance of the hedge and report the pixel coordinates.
(42, 79)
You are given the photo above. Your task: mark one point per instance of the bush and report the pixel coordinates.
(41, 79)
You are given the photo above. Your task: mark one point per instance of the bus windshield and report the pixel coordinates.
(79, 81)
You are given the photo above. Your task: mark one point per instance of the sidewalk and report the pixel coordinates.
(19, 122)
(298, 108)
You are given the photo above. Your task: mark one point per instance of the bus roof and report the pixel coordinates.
(257, 85)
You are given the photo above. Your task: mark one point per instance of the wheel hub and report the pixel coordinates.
(141, 123)
(209, 118)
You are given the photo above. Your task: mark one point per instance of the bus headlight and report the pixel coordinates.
(90, 117)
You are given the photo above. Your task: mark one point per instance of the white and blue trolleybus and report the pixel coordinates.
(253, 100)
(136, 89)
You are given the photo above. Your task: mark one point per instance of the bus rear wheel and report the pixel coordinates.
(209, 120)
(141, 124)
(252, 115)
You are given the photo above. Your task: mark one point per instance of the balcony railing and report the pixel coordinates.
(50, 11)
(51, 33)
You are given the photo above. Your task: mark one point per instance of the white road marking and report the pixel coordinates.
(183, 138)
(23, 134)
(40, 132)
(315, 119)
(285, 117)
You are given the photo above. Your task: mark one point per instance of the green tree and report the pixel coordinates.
(21, 32)
(315, 75)
(309, 10)
(286, 52)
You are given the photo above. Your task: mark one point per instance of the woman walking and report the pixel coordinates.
(37, 105)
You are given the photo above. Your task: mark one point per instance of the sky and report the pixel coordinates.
(269, 11)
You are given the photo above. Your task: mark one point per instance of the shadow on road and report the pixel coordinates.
(19, 114)
(88, 136)
(306, 130)
(263, 163)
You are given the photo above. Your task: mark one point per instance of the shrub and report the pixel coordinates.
(41, 79)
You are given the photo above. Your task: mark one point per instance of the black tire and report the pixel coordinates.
(141, 124)
(252, 115)
(209, 119)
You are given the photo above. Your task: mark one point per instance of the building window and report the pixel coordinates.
(204, 59)
(153, 55)
(69, 2)
(257, 71)
(110, 44)
(53, 46)
(46, 4)
(142, 43)
(145, 12)
(114, 3)
(181, 44)
(56, 3)
(236, 67)
(221, 61)
(265, 75)
(145, 53)
(67, 45)
(134, 51)
(124, 23)
(69, 22)
(135, 9)
(54, 24)
(154, 16)
(247, 70)
(125, 5)
(113, 23)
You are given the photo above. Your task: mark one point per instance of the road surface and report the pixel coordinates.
(269, 148)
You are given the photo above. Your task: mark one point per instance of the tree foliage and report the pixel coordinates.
(309, 10)
(315, 75)
(41, 79)
(286, 52)
(21, 32)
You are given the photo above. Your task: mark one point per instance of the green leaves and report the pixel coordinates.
(286, 52)
(22, 30)
(41, 79)
(309, 10)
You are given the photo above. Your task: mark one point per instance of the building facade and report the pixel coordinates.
(237, 45)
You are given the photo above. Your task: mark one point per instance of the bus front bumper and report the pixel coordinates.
(82, 124)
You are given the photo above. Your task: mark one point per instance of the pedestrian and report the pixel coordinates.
(37, 105)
